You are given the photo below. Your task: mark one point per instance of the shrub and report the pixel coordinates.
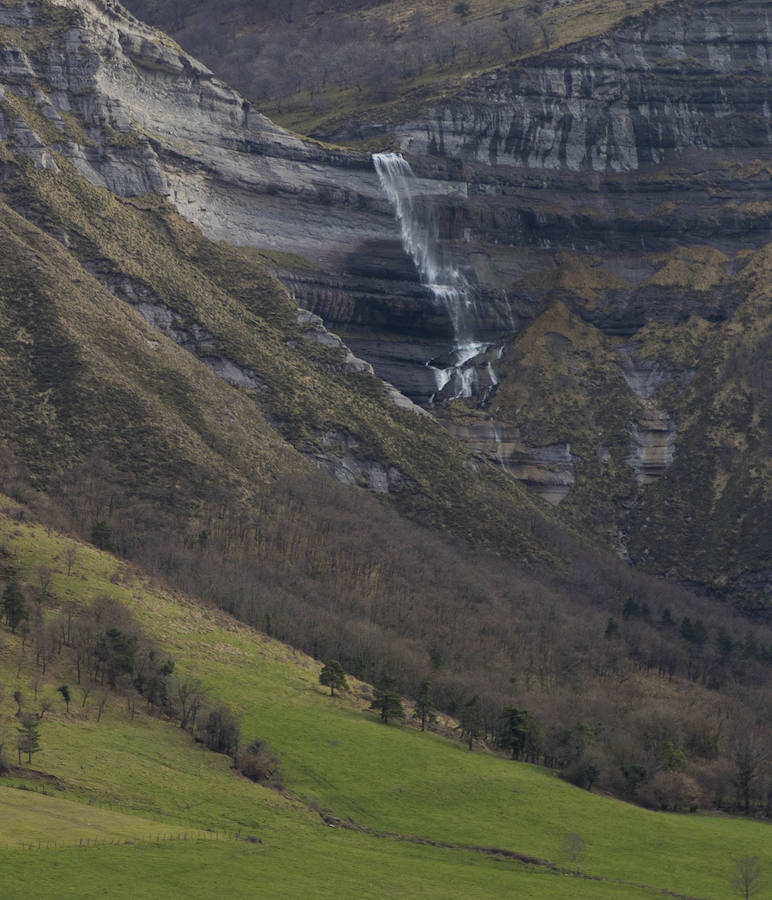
(220, 731)
(260, 764)
(671, 791)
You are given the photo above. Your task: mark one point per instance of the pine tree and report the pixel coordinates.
(424, 705)
(386, 700)
(14, 605)
(29, 736)
(102, 535)
(471, 722)
(667, 620)
(64, 690)
(631, 609)
(333, 676)
(686, 629)
(514, 729)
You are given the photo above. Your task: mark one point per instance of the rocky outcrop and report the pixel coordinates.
(653, 445)
(654, 432)
(548, 471)
(136, 113)
(689, 78)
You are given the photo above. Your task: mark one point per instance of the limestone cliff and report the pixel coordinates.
(616, 207)
(609, 203)
(135, 113)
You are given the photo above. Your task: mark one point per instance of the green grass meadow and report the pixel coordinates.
(392, 793)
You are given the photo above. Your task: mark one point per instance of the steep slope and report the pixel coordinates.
(415, 805)
(360, 62)
(284, 377)
(626, 176)
(168, 399)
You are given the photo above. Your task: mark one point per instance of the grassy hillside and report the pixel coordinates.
(391, 792)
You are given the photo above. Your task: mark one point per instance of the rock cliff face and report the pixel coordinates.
(689, 78)
(605, 201)
(135, 114)
(575, 176)
(619, 146)
(625, 179)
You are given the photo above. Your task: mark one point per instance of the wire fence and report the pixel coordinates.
(150, 838)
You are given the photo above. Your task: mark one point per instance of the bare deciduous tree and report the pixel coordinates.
(190, 694)
(749, 755)
(572, 849)
(746, 879)
(71, 557)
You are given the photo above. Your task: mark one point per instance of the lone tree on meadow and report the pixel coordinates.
(746, 881)
(333, 676)
(386, 700)
(424, 705)
(71, 557)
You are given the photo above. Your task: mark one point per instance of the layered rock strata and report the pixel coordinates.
(624, 177)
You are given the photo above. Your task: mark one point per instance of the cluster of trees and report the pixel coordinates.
(386, 699)
(293, 54)
(338, 574)
(110, 654)
(650, 767)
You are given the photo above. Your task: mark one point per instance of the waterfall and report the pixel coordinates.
(499, 454)
(444, 281)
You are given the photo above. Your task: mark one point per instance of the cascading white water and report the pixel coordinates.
(445, 282)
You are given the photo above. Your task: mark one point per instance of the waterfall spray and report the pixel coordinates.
(444, 281)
